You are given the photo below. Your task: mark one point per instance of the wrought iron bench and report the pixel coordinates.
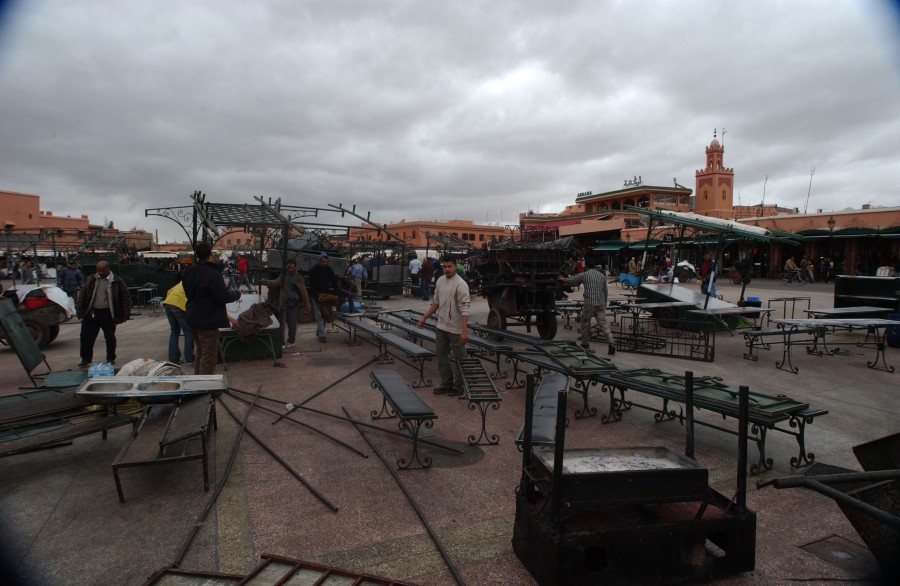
(414, 355)
(566, 358)
(481, 394)
(543, 418)
(161, 438)
(399, 400)
(709, 393)
(485, 348)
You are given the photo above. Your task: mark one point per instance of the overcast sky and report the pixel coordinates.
(441, 109)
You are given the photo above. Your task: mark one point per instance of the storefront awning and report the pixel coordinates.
(610, 246)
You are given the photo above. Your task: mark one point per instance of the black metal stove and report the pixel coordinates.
(635, 515)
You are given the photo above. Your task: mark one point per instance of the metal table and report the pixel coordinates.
(875, 326)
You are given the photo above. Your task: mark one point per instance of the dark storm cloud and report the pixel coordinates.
(420, 110)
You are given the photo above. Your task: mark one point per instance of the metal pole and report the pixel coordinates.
(743, 416)
(558, 453)
(689, 413)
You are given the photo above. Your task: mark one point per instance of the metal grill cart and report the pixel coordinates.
(627, 515)
(520, 282)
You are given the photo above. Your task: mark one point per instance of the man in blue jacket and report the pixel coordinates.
(207, 297)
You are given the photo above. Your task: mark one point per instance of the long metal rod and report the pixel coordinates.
(342, 379)
(350, 420)
(306, 425)
(278, 459)
(843, 478)
(201, 518)
(841, 497)
(434, 538)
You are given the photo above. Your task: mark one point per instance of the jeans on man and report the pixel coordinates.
(320, 321)
(178, 327)
(245, 278)
(206, 350)
(447, 345)
(91, 324)
(426, 290)
(289, 319)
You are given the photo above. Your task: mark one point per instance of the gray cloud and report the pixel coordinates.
(473, 110)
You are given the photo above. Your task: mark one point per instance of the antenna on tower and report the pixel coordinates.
(723, 136)
(764, 191)
(811, 173)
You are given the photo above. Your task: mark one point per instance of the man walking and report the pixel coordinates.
(293, 289)
(323, 283)
(596, 294)
(426, 274)
(70, 279)
(103, 303)
(415, 265)
(207, 297)
(451, 301)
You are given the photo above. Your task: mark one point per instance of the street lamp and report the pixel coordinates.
(830, 260)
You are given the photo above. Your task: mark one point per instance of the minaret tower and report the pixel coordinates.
(714, 193)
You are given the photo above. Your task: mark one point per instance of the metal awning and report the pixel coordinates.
(611, 246)
(724, 228)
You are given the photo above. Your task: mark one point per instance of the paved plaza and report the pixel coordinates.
(61, 522)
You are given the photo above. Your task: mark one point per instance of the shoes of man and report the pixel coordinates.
(441, 390)
(322, 339)
(585, 345)
(289, 345)
(84, 365)
(189, 362)
(454, 393)
(612, 349)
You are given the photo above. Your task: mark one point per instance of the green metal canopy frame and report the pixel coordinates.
(723, 229)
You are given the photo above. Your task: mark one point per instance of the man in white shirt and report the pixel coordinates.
(415, 265)
(451, 300)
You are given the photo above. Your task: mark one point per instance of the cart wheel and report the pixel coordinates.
(54, 331)
(666, 316)
(38, 330)
(736, 280)
(497, 320)
(546, 325)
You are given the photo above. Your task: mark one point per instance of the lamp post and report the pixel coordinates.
(830, 260)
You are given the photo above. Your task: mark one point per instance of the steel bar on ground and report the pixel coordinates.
(278, 459)
(219, 486)
(333, 416)
(434, 538)
(316, 394)
(306, 425)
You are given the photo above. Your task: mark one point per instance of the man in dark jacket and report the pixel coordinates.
(323, 283)
(102, 303)
(207, 297)
(70, 279)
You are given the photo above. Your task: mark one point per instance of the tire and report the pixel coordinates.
(666, 316)
(736, 280)
(497, 320)
(39, 331)
(546, 325)
(54, 332)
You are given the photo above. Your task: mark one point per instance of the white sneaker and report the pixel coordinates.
(289, 345)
